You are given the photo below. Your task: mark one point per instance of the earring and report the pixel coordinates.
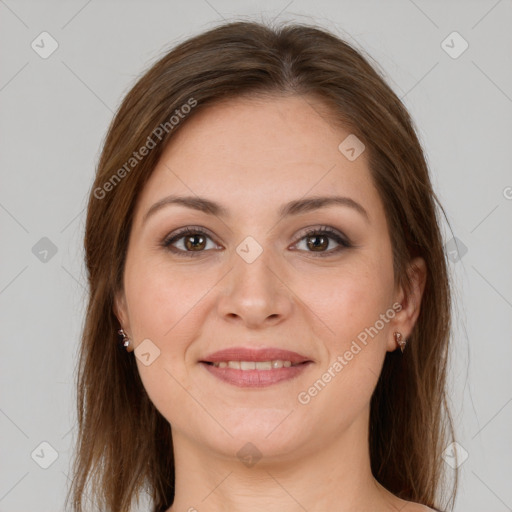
(400, 341)
(125, 340)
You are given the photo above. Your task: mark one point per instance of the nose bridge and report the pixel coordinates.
(255, 291)
(252, 264)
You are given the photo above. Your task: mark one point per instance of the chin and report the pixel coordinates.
(254, 434)
(250, 449)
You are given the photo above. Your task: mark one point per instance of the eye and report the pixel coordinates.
(193, 240)
(317, 240)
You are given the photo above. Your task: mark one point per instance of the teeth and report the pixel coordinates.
(254, 365)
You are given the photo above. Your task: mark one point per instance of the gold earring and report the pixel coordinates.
(400, 341)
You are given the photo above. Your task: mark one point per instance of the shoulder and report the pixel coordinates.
(404, 505)
(412, 506)
(417, 507)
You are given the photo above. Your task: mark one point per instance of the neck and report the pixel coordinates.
(331, 474)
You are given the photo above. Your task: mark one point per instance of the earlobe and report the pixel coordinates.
(121, 313)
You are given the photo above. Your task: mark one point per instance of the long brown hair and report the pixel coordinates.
(124, 444)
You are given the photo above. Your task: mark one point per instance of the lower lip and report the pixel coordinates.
(256, 378)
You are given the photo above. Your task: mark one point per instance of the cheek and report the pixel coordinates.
(352, 302)
(162, 299)
(165, 307)
(349, 299)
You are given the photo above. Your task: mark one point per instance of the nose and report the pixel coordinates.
(255, 294)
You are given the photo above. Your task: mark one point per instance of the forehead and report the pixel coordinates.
(260, 151)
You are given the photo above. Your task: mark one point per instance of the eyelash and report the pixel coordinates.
(323, 230)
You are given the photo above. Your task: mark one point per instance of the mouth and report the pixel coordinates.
(255, 368)
(254, 365)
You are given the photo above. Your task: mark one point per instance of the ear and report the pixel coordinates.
(121, 311)
(406, 317)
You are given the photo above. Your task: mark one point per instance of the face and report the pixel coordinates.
(260, 273)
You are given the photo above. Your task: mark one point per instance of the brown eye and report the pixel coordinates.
(195, 242)
(188, 241)
(317, 242)
(319, 239)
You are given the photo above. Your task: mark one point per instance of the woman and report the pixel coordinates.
(262, 235)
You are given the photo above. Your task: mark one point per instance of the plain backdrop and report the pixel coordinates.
(55, 110)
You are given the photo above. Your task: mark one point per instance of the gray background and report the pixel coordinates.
(54, 116)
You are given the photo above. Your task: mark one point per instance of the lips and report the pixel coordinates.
(253, 354)
(245, 368)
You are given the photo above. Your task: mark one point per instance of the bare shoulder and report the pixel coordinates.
(412, 506)
(416, 507)
(402, 505)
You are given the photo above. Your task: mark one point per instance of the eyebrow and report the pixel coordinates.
(295, 207)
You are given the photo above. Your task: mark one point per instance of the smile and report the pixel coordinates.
(255, 374)
(254, 365)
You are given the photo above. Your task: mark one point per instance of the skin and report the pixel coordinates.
(252, 156)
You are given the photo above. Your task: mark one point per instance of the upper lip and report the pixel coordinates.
(254, 354)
